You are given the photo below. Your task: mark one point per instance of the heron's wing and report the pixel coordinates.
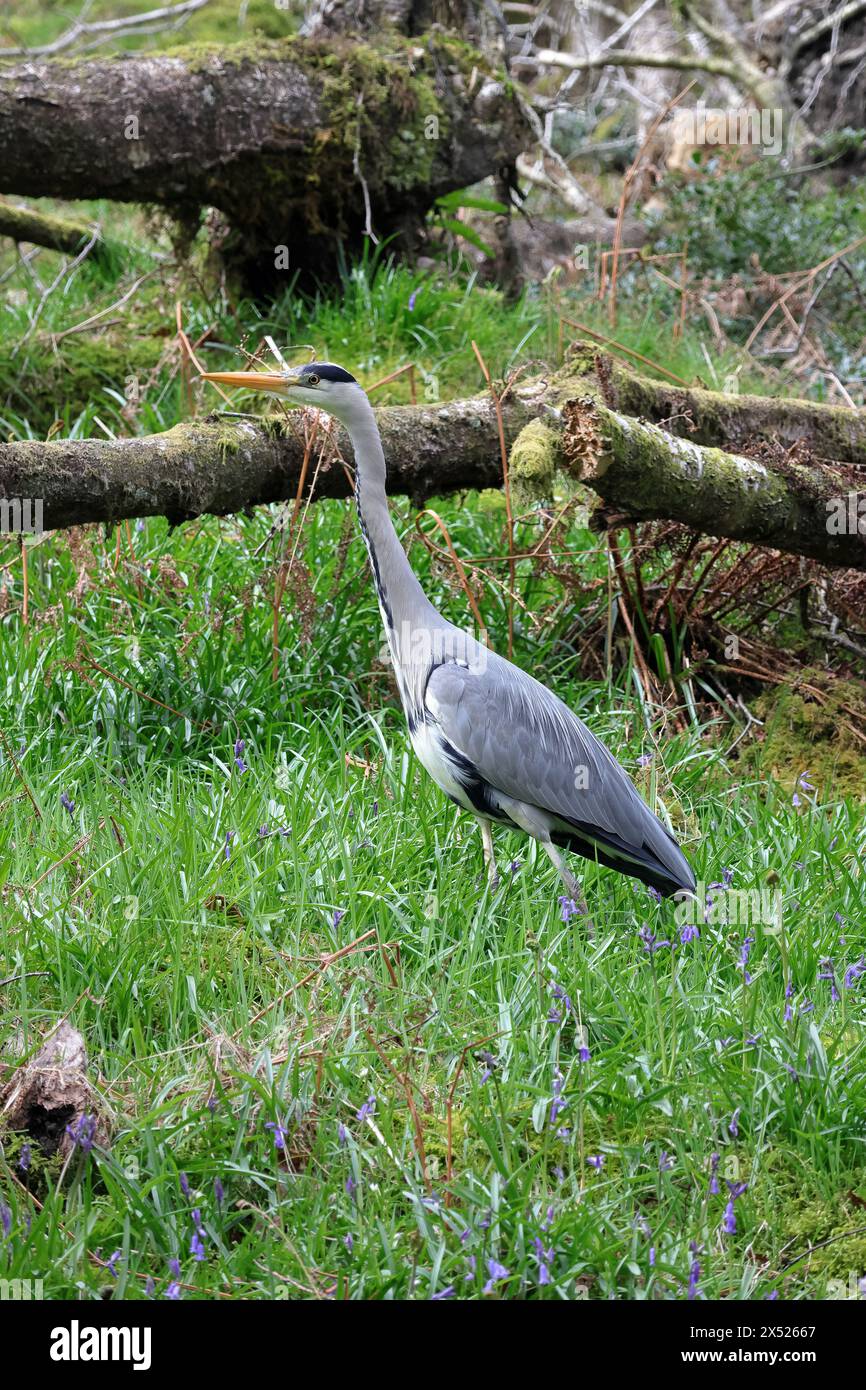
(524, 742)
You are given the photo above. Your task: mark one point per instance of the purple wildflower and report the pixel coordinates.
(219, 1192)
(497, 1273)
(729, 1221)
(239, 756)
(805, 784)
(596, 1161)
(83, 1133)
(650, 942)
(173, 1292)
(715, 1159)
(337, 916)
(666, 1161)
(184, 1184)
(24, 1158)
(366, 1109)
(448, 1292)
(854, 972)
(733, 1124)
(280, 1134)
(413, 296)
(174, 1268)
(196, 1245)
(342, 1135)
(583, 1054)
(489, 1063)
(645, 759)
(230, 835)
(654, 893)
(557, 1104)
(689, 933)
(351, 1186)
(694, 1276)
(349, 1242)
(827, 972)
(746, 947)
(66, 803)
(652, 1256)
(112, 1263)
(728, 876)
(568, 908)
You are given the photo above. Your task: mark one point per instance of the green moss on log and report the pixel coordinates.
(536, 455)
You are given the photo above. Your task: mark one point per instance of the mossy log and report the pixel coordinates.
(561, 424)
(303, 144)
(54, 233)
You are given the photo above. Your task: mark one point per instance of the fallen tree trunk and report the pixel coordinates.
(54, 233)
(559, 424)
(303, 144)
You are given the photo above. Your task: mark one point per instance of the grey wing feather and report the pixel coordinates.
(526, 743)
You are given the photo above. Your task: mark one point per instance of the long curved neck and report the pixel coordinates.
(404, 605)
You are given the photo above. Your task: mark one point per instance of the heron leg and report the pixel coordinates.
(572, 887)
(489, 857)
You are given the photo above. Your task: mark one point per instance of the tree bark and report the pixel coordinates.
(570, 422)
(302, 144)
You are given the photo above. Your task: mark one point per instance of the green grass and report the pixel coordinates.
(184, 958)
(185, 945)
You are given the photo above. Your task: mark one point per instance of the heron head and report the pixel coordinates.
(320, 384)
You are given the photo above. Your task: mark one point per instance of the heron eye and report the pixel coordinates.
(312, 379)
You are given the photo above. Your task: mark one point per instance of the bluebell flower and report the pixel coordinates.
(497, 1273)
(239, 756)
(651, 944)
(83, 1133)
(714, 1173)
(828, 973)
(366, 1109)
(280, 1133)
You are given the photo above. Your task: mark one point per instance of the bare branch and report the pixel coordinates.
(114, 28)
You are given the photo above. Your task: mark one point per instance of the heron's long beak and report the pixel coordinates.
(253, 381)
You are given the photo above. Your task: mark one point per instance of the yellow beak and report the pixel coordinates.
(253, 381)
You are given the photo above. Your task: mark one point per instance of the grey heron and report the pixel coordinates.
(497, 741)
